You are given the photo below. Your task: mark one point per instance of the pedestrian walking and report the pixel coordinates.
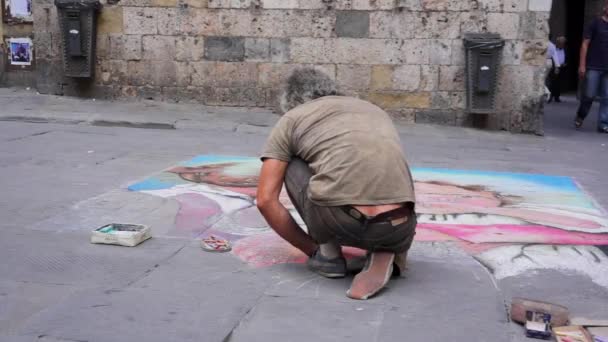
(557, 55)
(593, 71)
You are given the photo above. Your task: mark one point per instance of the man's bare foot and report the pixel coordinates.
(374, 276)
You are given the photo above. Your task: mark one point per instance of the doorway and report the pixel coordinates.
(568, 20)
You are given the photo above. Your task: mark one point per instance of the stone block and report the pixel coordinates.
(244, 75)
(451, 78)
(407, 77)
(220, 3)
(117, 46)
(436, 117)
(390, 101)
(167, 21)
(512, 52)
(202, 73)
(540, 5)
(446, 5)
(159, 48)
(458, 52)
(382, 77)
(192, 3)
(43, 43)
(440, 52)
(236, 23)
(429, 77)
(110, 20)
(352, 24)
(313, 4)
(367, 51)
(541, 25)
(505, 24)
(365, 5)
(274, 74)
(414, 51)
(228, 49)
(131, 47)
(473, 22)
(384, 24)
(102, 46)
(139, 20)
(535, 52)
(403, 116)
(189, 48)
(183, 72)
(280, 4)
(199, 22)
(153, 73)
(516, 82)
(311, 50)
(257, 49)
(164, 3)
(503, 5)
(355, 77)
(280, 49)
(445, 100)
(443, 25)
(322, 23)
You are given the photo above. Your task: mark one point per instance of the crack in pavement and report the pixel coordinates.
(29, 136)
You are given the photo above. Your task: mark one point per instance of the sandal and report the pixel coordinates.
(213, 244)
(578, 122)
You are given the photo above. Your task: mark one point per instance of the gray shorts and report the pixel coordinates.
(345, 224)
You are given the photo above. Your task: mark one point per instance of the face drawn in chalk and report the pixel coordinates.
(480, 210)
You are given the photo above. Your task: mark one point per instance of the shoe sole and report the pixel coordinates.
(330, 275)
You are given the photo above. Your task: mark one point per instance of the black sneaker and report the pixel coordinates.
(602, 129)
(330, 268)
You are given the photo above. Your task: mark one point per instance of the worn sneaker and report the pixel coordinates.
(330, 268)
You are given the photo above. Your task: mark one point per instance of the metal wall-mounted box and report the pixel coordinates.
(78, 26)
(483, 55)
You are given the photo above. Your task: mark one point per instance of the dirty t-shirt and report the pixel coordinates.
(352, 148)
(597, 56)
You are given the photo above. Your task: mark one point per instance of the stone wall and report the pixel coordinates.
(405, 55)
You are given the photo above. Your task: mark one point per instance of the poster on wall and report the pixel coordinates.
(17, 10)
(20, 51)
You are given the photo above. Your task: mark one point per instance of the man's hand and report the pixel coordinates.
(278, 217)
(582, 70)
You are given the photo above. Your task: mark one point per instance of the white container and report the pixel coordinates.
(129, 235)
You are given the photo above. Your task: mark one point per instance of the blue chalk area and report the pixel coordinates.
(557, 182)
(151, 184)
(211, 159)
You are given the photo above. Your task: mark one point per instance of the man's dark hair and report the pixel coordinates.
(304, 85)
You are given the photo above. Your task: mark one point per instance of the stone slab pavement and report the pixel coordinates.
(64, 167)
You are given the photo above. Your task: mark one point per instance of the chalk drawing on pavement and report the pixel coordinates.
(489, 214)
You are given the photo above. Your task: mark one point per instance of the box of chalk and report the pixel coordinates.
(121, 234)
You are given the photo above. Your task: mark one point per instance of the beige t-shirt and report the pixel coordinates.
(352, 148)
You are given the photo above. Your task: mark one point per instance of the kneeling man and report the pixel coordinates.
(341, 161)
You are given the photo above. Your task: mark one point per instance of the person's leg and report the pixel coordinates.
(558, 85)
(388, 237)
(603, 113)
(591, 84)
(328, 260)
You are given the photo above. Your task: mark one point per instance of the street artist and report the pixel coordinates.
(341, 161)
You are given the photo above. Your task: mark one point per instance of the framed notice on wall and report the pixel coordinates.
(20, 53)
(17, 11)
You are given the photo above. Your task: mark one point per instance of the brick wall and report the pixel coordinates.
(405, 55)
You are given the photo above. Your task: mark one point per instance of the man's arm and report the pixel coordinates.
(582, 68)
(275, 213)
